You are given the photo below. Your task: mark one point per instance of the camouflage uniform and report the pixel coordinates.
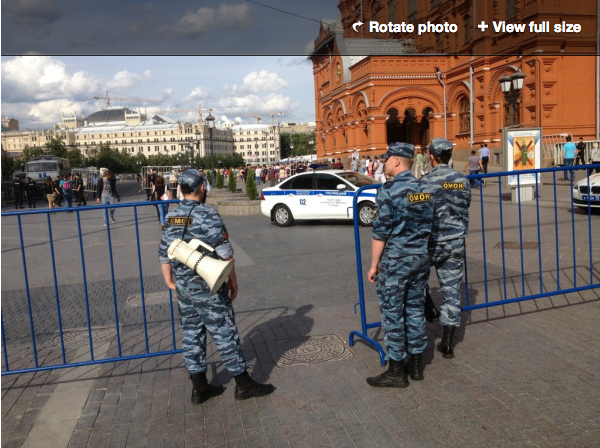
(403, 222)
(199, 310)
(447, 242)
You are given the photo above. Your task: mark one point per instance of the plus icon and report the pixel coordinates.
(482, 26)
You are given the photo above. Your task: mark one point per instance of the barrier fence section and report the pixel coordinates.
(545, 247)
(29, 324)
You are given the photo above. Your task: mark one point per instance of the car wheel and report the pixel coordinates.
(282, 216)
(365, 214)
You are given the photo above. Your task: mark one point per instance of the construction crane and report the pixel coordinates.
(108, 99)
(259, 116)
(199, 110)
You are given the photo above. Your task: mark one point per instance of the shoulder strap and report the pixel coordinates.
(187, 221)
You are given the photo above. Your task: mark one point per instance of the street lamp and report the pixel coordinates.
(198, 140)
(211, 124)
(511, 87)
(191, 145)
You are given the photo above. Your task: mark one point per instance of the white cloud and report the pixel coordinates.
(125, 79)
(264, 81)
(258, 93)
(194, 24)
(36, 89)
(197, 93)
(40, 78)
(261, 81)
(253, 104)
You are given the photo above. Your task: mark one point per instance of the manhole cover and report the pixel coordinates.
(75, 337)
(527, 245)
(312, 349)
(152, 298)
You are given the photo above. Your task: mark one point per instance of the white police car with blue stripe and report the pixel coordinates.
(319, 195)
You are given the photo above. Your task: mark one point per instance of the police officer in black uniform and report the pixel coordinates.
(18, 189)
(31, 192)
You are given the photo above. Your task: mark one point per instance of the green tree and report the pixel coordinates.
(160, 160)
(231, 185)
(251, 190)
(285, 142)
(30, 153)
(137, 162)
(74, 157)
(297, 144)
(8, 166)
(56, 147)
(219, 180)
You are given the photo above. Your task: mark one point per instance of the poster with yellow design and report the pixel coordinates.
(522, 153)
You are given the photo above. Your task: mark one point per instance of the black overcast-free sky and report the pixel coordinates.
(110, 27)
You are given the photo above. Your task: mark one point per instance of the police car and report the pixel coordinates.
(319, 195)
(581, 194)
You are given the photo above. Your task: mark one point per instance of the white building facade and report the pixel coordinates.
(133, 132)
(258, 144)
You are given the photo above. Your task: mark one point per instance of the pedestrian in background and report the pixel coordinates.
(200, 311)
(484, 157)
(161, 193)
(79, 191)
(569, 150)
(400, 265)
(104, 194)
(113, 187)
(452, 197)
(378, 173)
(19, 191)
(421, 162)
(50, 193)
(173, 184)
(580, 160)
(595, 158)
(31, 192)
(150, 178)
(473, 166)
(66, 185)
(58, 198)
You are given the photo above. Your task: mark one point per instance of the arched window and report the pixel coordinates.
(392, 11)
(411, 10)
(511, 10)
(375, 10)
(393, 126)
(464, 122)
(466, 29)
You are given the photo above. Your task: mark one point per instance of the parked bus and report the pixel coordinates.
(41, 167)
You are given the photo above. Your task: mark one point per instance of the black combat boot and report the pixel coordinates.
(246, 387)
(202, 391)
(431, 312)
(446, 345)
(394, 376)
(415, 367)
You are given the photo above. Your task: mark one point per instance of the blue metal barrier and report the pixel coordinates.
(516, 287)
(32, 348)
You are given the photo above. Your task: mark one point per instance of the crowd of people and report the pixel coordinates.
(68, 189)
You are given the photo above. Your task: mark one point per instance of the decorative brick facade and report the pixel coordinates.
(390, 89)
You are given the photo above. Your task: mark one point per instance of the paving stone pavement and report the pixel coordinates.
(524, 374)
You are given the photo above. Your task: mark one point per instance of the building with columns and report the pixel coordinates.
(134, 132)
(375, 88)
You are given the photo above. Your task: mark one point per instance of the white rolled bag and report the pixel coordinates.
(195, 255)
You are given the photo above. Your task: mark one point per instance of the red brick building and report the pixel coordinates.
(373, 88)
